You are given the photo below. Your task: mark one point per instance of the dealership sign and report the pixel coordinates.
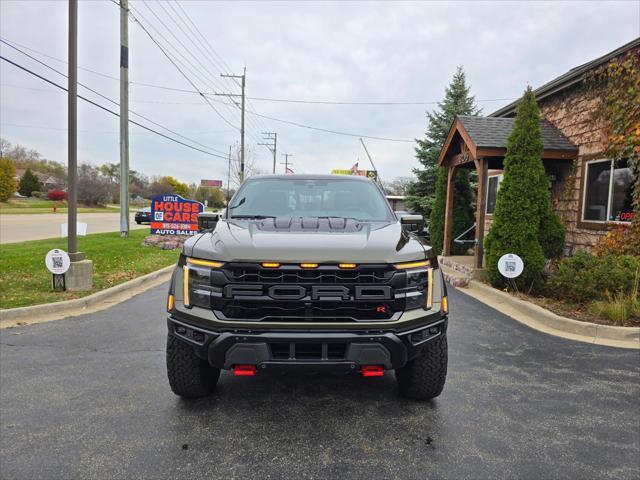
(372, 174)
(174, 215)
(211, 183)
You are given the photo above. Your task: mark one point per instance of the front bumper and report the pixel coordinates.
(341, 350)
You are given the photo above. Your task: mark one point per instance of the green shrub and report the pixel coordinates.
(621, 307)
(551, 234)
(524, 222)
(585, 278)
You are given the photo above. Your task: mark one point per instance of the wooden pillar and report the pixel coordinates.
(448, 211)
(481, 206)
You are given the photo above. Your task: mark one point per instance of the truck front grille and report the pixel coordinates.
(290, 293)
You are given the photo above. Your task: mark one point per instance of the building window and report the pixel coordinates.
(492, 192)
(607, 191)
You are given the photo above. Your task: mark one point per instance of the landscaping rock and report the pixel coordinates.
(169, 242)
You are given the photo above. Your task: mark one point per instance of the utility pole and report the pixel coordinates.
(286, 162)
(272, 138)
(235, 95)
(229, 178)
(72, 166)
(124, 118)
(79, 277)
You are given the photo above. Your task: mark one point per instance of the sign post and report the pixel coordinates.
(511, 266)
(174, 215)
(57, 262)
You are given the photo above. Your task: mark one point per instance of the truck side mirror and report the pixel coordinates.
(207, 221)
(412, 223)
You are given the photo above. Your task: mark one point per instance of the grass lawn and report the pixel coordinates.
(24, 279)
(39, 205)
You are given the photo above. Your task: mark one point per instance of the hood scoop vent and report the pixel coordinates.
(310, 224)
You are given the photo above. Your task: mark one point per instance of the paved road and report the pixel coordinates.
(88, 398)
(20, 228)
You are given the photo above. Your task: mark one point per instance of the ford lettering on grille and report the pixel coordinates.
(313, 292)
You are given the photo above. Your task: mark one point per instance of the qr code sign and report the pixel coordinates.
(57, 261)
(510, 266)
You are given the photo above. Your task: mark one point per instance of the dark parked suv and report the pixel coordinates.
(312, 273)
(143, 215)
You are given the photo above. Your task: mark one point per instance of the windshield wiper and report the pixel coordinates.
(251, 217)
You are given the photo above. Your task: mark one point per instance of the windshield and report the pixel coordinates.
(277, 197)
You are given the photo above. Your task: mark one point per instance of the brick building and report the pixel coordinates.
(588, 190)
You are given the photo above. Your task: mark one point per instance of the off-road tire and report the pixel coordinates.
(189, 376)
(423, 377)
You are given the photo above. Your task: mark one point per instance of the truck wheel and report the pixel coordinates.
(423, 377)
(189, 376)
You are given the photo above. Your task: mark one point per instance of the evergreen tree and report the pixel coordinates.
(524, 222)
(436, 222)
(29, 183)
(427, 194)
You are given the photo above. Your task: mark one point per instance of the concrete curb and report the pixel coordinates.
(543, 320)
(94, 302)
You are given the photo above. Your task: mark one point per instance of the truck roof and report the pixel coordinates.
(311, 176)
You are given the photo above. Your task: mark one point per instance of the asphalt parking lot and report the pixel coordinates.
(87, 397)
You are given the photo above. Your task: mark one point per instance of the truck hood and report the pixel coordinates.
(306, 240)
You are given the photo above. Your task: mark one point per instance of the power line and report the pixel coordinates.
(249, 111)
(105, 132)
(178, 68)
(208, 100)
(336, 102)
(296, 124)
(111, 100)
(204, 71)
(262, 99)
(58, 59)
(110, 111)
(254, 137)
(197, 43)
(194, 38)
(205, 48)
(222, 62)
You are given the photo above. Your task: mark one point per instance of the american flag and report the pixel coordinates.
(354, 169)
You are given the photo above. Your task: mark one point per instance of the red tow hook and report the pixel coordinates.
(372, 371)
(244, 370)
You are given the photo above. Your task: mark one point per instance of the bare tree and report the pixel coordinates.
(250, 166)
(398, 186)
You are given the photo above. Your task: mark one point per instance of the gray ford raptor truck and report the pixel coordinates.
(308, 273)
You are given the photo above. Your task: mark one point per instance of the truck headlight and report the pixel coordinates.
(196, 282)
(419, 289)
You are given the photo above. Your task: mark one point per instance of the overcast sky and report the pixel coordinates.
(352, 52)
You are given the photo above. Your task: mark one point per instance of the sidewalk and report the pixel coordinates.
(545, 321)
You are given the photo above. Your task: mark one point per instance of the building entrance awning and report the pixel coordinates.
(481, 143)
(471, 138)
